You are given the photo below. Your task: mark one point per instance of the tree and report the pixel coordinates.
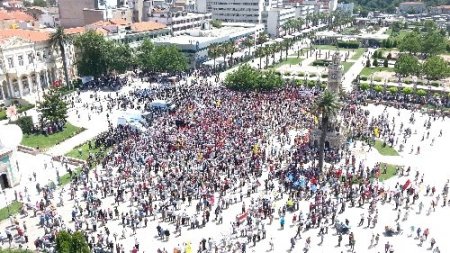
(93, 56)
(71, 243)
(375, 62)
(63, 242)
(411, 43)
(163, 58)
(259, 52)
(60, 39)
(26, 124)
(436, 68)
(231, 49)
(213, 53)
(433, 43)
(368, 63)
(287, 43)
(262, 38)
(407, 64)
(144, 56)
(53, 108)
(248, 43)
(168, 58)
(121, 57)
(216, 23)
(248, 78)
(429, 26)
(327, 106)
(386, 63)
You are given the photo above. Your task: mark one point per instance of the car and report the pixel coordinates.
(159, 104)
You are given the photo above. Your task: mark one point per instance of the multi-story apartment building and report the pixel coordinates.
(246, 11)
(275, 18)
(125, 32)
(76, 13)
(28, 63)
(179, 21)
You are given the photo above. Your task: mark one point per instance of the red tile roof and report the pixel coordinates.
(35, 36)
(146, 26)
(15, 15)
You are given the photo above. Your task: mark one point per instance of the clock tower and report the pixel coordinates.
(335, 73)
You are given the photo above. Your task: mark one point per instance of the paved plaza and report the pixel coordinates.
(432, 162)
(427, 169)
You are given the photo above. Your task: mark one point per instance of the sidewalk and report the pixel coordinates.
(354, 70)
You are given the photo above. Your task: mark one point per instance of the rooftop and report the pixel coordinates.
(105, 27)
(146, 26)
(31, 35)
(15, 15)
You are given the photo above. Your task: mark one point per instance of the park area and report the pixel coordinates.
(44, 141)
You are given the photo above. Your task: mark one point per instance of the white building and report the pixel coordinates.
(196, 42)
(245, 11)
(29, 64)
(303, 10)
(275, 18)
(180, 21)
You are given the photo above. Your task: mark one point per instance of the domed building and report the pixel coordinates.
(10, 137)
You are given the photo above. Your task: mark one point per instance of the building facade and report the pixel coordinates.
(275, 18)
(195, 44)
(29, 64)
(181, 21)
(241, 11)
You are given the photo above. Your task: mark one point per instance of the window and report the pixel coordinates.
(20, 59)
(10, 62)
(30, 58)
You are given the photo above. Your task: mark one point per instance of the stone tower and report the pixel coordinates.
(335, 73)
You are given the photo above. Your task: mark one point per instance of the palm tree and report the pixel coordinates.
(59, 39)
(262, 38)
(231, 48)
(267, 51)
(287, 43)
(327, 106)
(214, 52)
(299, 23)
(248, 43)
(223, 51)
(259, 52)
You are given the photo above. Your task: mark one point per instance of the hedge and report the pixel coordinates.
(348, 44)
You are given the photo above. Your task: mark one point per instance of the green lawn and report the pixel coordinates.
(45, 142)
(14, 208)
(358, 53)
(65, 179)
(347, 66)
(84, 148)
(369, 71)
(290, 61)
(391, 170)
(386, 151)
(2, 114)
(20, 109)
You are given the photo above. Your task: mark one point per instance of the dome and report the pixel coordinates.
(10, 136)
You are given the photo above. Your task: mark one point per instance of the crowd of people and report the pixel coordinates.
(222, 148)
